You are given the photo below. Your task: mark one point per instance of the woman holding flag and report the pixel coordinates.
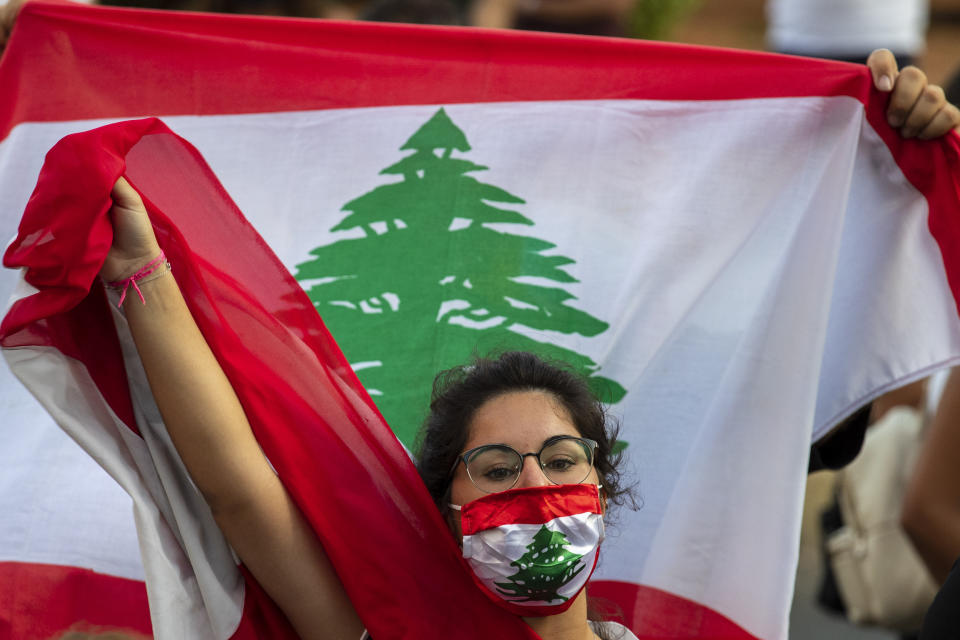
(484, 425)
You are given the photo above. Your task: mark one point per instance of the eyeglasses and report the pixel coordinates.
(496, 467)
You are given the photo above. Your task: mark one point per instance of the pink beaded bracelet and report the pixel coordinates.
(150, 271)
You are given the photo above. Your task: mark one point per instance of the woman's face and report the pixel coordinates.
(523, 420)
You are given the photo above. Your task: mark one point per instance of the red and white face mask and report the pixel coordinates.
(533, 549)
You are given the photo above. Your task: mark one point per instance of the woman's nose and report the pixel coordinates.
(531, 475)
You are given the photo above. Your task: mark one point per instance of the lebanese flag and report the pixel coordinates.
(733, 246)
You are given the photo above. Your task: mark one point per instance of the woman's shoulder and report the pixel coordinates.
(613, 630)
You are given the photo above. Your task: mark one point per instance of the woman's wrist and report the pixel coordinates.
(152, 269)
(118, 266)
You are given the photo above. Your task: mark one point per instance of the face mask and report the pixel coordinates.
(533, 549)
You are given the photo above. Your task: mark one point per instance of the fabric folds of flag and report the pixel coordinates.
(313, 419)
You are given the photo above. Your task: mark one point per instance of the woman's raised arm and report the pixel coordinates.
(207, 424)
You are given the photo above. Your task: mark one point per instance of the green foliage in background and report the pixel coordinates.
(655, 19)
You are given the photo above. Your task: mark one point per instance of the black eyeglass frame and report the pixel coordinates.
(591, 448)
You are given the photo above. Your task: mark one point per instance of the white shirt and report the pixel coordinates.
(847, 27)
(615, 629)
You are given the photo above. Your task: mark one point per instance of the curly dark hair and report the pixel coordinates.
(459, 392)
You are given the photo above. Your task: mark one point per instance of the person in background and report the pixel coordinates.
(586, 17)
(931, 512)
(848, 30)
(442, 12)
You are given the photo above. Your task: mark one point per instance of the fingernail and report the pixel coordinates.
(885, 83)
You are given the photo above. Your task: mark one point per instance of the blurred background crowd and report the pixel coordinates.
(924, 32)
(879, 534)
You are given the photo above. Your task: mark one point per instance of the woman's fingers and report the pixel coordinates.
(947, 118)
(925, 109)
(907, 90)
(883, 68)
(125, 196)
(916, 108)
(134, 243)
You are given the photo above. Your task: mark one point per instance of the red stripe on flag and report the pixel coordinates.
(190, 63)
(40, 600)
(498, 509)
(261, 618)
(87, 334)
(937, 177)
(655, 614)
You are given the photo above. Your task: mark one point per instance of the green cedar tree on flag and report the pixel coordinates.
(736, 245)
(445, 285)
